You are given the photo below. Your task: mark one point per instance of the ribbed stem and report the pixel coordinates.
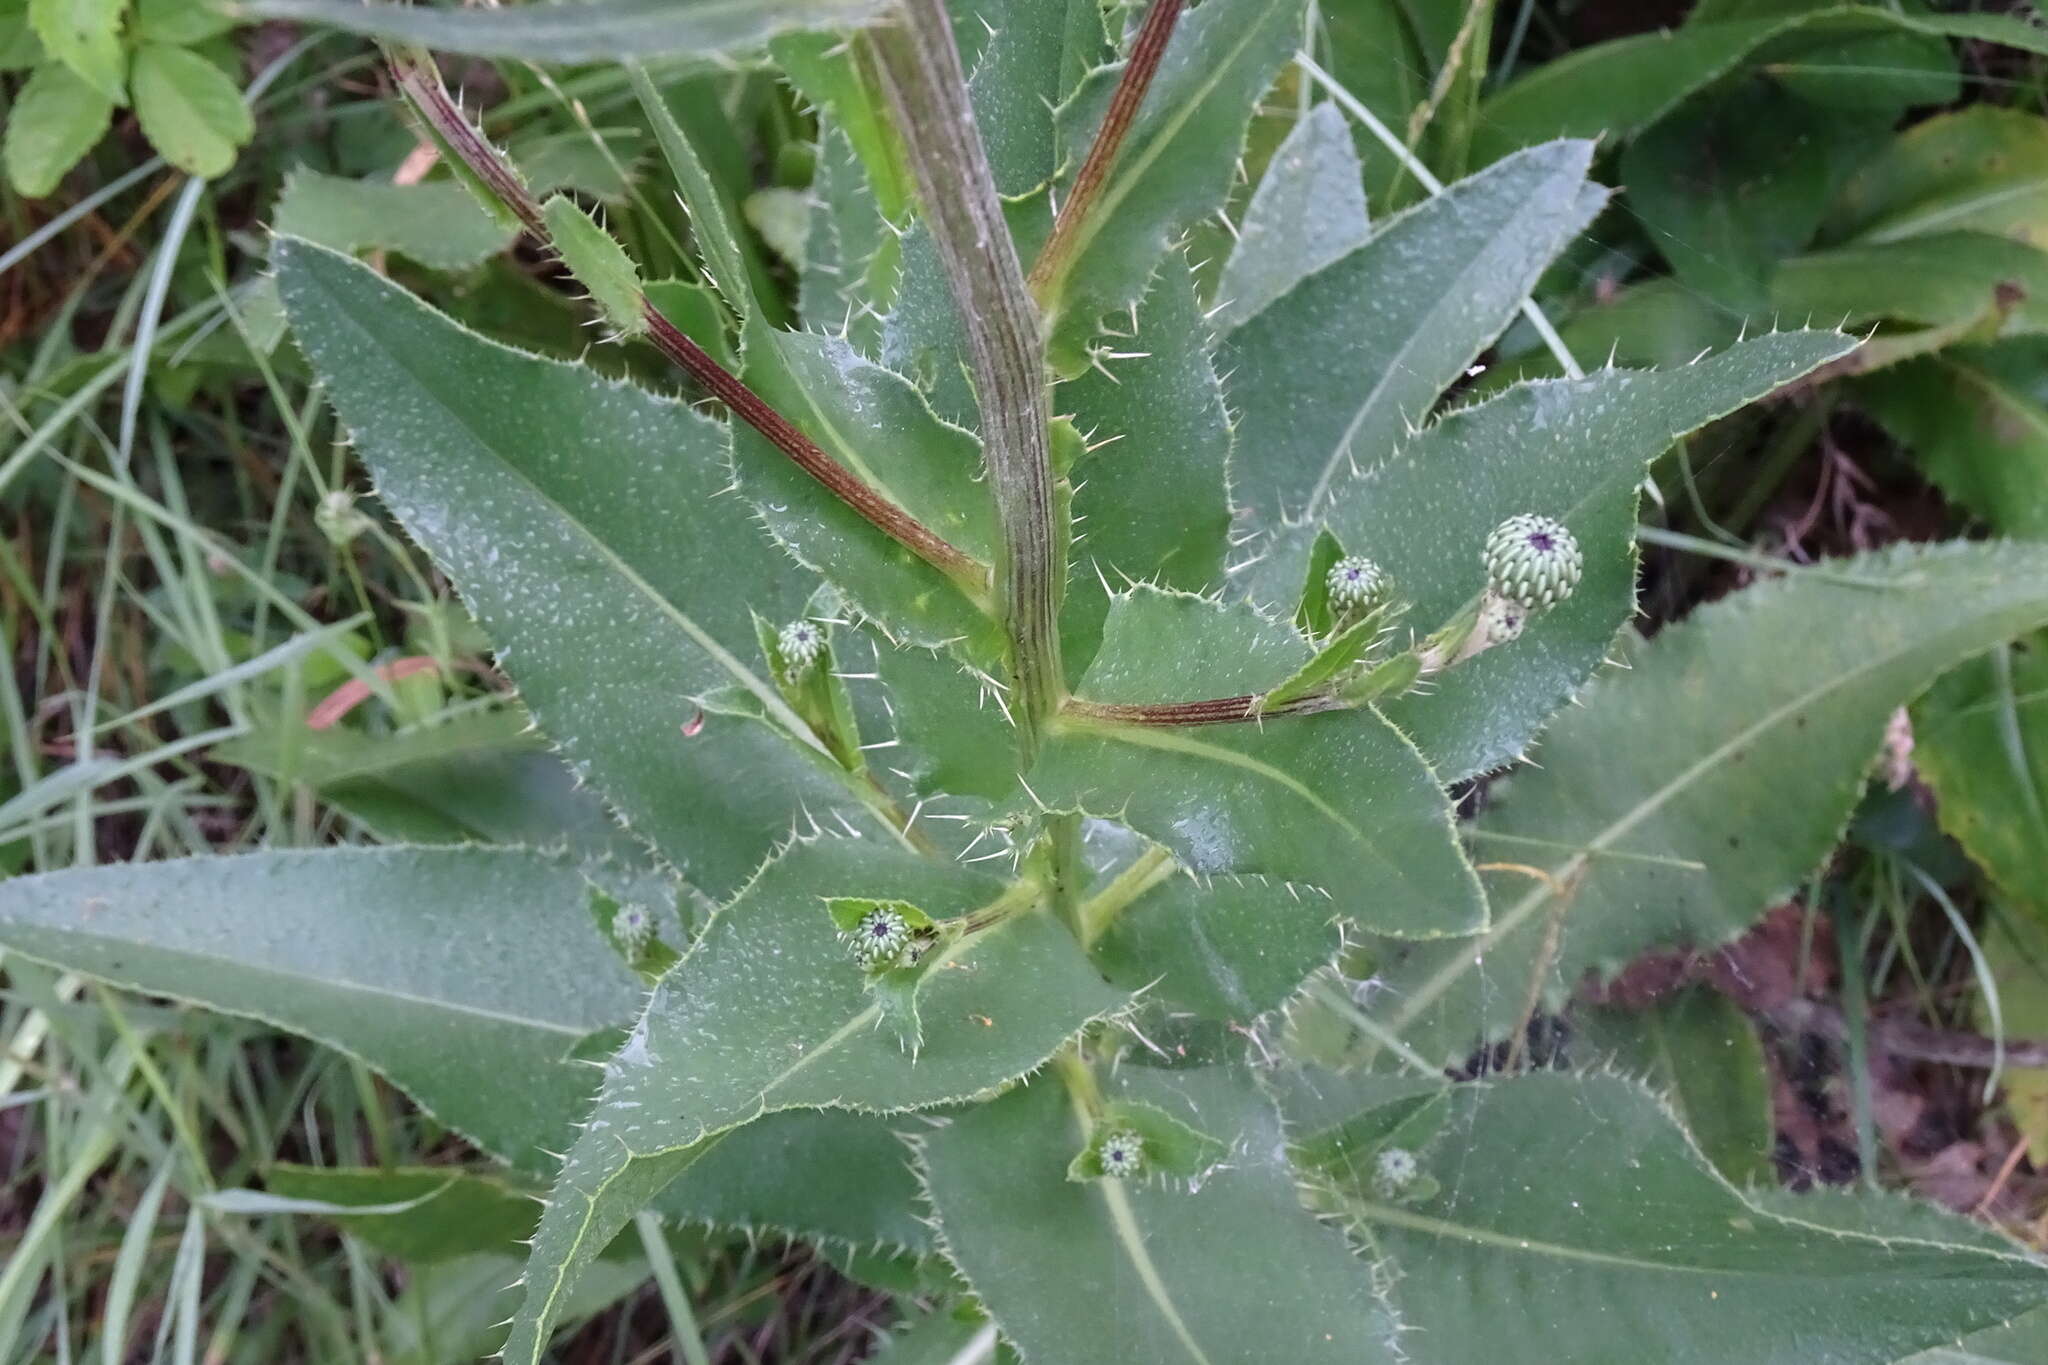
(920, 69)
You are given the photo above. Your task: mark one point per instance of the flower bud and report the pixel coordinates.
(801, 642)
(1357, 586)
(1122, 1153)
(1533, 561)
(879, 938)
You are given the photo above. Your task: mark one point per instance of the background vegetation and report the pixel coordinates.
(183, 542)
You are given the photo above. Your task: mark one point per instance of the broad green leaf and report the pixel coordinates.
(874, 422)
(1307, 213)
(956, 737)
(437, 224)
(768, 1012)
(481, 778)
(1944, 279)
(20, 49)
(180, 21)
(1622, 86)
(580, 30)
(1227, 1267)
(2019, 1342)
(1176, 162)
(1740, 178)
(1699, 1050)
(1983, 169)
(942, 1337)
(85, 35)
(1336, 372)
(1230, 949)
(500, 980)
(56, 119)
(583, 521)
(696, 311)
(1578, 1196)
(1980, 740)
(1151, 497)
(1375, 53)
(825, 1176)
(1571, 449)
(449, 1212)
(1339, 801)
(190, 111)
(1706, 781)
(1976, 420)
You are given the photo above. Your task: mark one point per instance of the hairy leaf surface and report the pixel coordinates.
(768, 1012)
(448, 970)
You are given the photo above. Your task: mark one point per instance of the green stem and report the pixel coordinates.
(927, 91)
(1099, 911)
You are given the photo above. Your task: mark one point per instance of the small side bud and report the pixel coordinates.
(1394, 1170)
(1357, 586)
(339, 519)
(801, 643)
(879, 938)
(598, 262)
(1532, 561)
(632, 927)
(1121, 1153)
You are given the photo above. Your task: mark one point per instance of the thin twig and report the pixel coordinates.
(1146, 54)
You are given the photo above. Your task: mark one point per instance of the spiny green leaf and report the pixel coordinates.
(710, 223)
(1151, 503)
(579, 30)
(500, 980)
(56, 119)
(598, 262)
(873, 421)
(1699, 1050)
(1339, 802)
(1545, 1184)
(1231, 949)
(822, 68)
(453, 1212)
(437, 224)
(584, 523)
(1017, 81)
(1570, 449)
(853, 258)
(1175, 164)
(766, 1012)
(1226, 1268)
(189, 110)
(1336, 372)
(1308, 212)
(1704, 783)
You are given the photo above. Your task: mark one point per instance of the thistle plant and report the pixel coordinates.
(1041, 688)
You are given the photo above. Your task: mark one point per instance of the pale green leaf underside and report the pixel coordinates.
(1148, 1272)
(448, 970)
(1335, 373)
(1340, 802)
(1579, 1199)
(1307, 213)
(1231, 949)
(1570, 449)
(580, 30)
(1719, 770)
(584, 523)
(767, 1012)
